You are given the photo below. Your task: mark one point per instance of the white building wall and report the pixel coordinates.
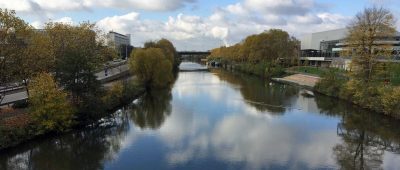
(117, 39)
(313, 40)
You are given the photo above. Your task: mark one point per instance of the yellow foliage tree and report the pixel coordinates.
(49, 105)
(151, 67)
(365, 32)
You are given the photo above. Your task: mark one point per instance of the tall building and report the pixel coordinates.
(323, 48)
(122, 43)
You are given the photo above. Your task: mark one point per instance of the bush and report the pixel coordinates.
(20, 104)
(391, 102)
(262, 69)
(113, 96)
(120, 93)
(51, 111)
(331, 83)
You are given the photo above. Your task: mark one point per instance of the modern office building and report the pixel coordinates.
(323, 48)
(122, 43)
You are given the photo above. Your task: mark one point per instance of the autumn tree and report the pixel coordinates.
(367, 28)
(364, 45)
(270, 46)
(13, 32)
(77, 56)
(261, 54)
(168, 50)
(49, 105)
(152, 67)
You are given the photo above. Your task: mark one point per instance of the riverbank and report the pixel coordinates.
(384, 99)
(305, 81)
(17, 127)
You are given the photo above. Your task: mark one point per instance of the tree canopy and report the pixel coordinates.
(152, 67)
(49, 105)
(366, 29)
(270, 46)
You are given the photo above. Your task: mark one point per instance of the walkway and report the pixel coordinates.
(113, 73)
(300, 79)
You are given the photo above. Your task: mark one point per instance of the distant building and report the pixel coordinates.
(323, 48)
(122, 43)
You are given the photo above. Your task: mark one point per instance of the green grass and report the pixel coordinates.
(395, 74)
(319, 71)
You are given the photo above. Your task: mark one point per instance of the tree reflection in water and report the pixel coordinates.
(152, 108)
(64, 152)
(260, 94)
(365, 135)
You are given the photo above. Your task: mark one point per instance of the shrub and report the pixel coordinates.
(391, 102)
(20, 104)
(51, 111)
(331, 83)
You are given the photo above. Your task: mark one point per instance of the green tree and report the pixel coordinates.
(151, 67)
(49, 105)
(77, 56)
(331, 83)
(168, 50)
(13, 34)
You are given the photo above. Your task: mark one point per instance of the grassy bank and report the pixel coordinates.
(17, 126)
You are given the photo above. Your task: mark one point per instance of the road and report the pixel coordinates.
(22, 95)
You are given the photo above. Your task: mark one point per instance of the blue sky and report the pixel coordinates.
(197, 24)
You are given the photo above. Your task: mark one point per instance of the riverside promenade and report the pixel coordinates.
(117, 71)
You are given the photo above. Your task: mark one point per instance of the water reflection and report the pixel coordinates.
(366, 137)
(151, 109)
(81, 150)
(220, 121)
(260, 94)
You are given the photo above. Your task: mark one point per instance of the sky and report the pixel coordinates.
(198, 25)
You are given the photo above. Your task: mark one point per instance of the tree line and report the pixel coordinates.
(57, 64)
(263, 54)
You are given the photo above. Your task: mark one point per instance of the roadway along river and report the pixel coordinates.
(223, 120)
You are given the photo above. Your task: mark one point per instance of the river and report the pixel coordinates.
(222, 120)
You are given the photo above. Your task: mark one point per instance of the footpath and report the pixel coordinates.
(114, 73)
(303, 80)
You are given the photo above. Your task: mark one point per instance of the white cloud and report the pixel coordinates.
(221, 33)
(20, 5)
(56, 6)
(152, 5)
(226, 25)
(65, 20)
(307, 19)
(281, 7)
(237, 9)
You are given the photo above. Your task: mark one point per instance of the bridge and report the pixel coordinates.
(194, 55)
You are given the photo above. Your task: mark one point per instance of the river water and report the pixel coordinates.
(222, 120)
